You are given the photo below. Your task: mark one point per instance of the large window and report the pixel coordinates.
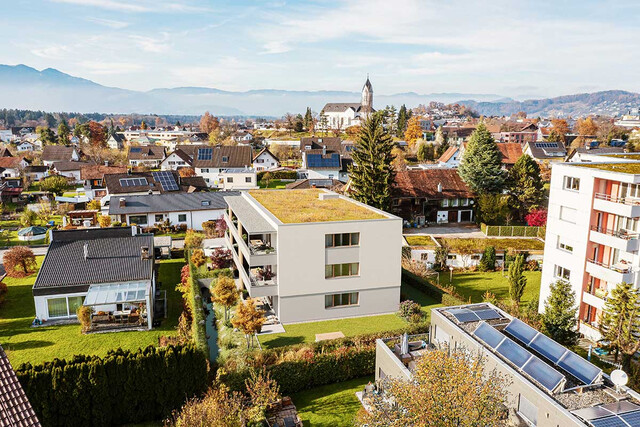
(341, 239)
(528, 410)
(564, 246)
(74, 303)
(57, 307)
(182, 217)
(341, 300)
(571, 183)
(138, 219)
(341, 270)
(562, 273)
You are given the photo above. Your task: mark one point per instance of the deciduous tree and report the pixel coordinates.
(413, 132)
(186, 172)
(19, 261)
(197, 258)
(104, 221)
(481, 164)
(192, 239)
(209, 123)
(225, 293)
(55, 184)
(620, 324)
(560, 317)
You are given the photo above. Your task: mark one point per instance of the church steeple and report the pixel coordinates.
(367, 96)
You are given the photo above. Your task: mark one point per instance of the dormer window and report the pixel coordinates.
(225, 159)
(206, 203)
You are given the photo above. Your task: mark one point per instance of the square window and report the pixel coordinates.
(355, 269)
(355, 239)
(57, 307)
(247, 179)
(328, 271)
(159, 218)
(230, 179)
(182, 218)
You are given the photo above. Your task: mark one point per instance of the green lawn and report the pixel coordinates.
(330, 405)
(26, 344)
(274, 183)
(306, 332)
(475, 284)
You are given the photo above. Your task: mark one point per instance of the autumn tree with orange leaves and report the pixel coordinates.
(209, 123)
(186, 172)
(19, 261)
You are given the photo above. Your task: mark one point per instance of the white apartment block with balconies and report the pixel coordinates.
(314, 254)
(592, 233)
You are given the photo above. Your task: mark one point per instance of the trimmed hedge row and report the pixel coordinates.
(198, 324)
(278, 174)
(428, 288)
(512, 230)
(123, 387)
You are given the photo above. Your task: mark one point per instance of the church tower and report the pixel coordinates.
(367, 97)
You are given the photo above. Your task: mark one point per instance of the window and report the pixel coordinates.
(571, 183)
(445, 203)
(57, 307)
(568, 214)
(225, 159)
(451, 257)
(182, 218)
(424, 256)
(341, 300)
(528, 410)
(247, 179)
(454, 202)
(74, 303)
(341, 239)
(230, 179)
(564, 246)
(562, 273)
(205, 170)
(159, 218)
(341, 270)
(138, 219)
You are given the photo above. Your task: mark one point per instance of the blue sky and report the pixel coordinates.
(512, 48)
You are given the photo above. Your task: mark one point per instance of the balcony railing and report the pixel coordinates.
(257, 247)
(618, 268)
(614, 199)
(621, 234)
(256, 281)
(600, 292)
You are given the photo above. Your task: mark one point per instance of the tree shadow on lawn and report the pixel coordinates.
(17, 327)
(282, 341)
(24, 345)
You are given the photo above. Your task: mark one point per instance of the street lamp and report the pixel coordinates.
(450, 274)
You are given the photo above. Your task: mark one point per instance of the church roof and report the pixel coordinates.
(340, 107)
(368, 85)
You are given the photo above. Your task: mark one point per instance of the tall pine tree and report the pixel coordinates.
(560, 316)
(525, 186)
(403, 119)
(620, 323)
(372, 173)
(481, 164)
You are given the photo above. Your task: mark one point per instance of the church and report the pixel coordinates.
(341, 115)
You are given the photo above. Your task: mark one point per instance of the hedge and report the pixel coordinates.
(278, 174)
(123, 387)
(428, 288)
(196, 306)
(512, 230)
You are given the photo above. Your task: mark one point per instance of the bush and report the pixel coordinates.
(449, 300)
(408, 308)
(19, 261)
(284, 174)
(121, 388)
(84, 317)
(532, 265)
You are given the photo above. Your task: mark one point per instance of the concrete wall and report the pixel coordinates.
(388, 365)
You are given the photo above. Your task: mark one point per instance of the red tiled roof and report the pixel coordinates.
(511, 152)
(448, 154)
(98, 171)
(10, 162)
(15, 409)
(424, 183)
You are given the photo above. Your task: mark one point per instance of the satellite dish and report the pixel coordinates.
(619, 377)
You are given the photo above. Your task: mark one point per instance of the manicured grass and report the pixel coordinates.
(426, 241)
(297, 206)
(498, 243)
(306, 332)
(475, 284)
(274, 183)
(35, 345)
(330, 405)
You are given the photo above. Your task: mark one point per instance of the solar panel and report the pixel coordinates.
(133, 182)
(488, 314)
(205, 153)
(520, 330)
(621, 407)
(318, 161)
(513, 352)
(632, 418)
(548, 348)
(490, 335)
(546, 145)
(135, 149)
(166, 180)
(544, 374)
(580, 368)
(613, 421)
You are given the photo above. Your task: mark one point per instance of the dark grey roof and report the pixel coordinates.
(170, 202)
(147, 152)
(339, 107)
(547, 150)
(15, 409)
(236, 155)
(113, 255)
(250, 217)
(34, 169)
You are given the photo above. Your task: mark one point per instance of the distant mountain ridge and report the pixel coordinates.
(25, 87)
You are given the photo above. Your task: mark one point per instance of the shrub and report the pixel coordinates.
(488, 260)
(198, 258)
(84, 317)
(4, 290)
(221, 258)
(284, 174)
(536, 217)
(449, 300)
(193, 239)
(408, 308)
(28, 218)
(532, 265)
(104, 221)
(181, 228)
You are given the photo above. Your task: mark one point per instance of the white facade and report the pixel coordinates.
(173, 162)
(238, 179)
(73, 174)
(265, 161)
(192, 219)
(25, 146)
(210, 175)
(342, 119)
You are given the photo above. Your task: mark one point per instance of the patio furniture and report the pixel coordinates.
(122, 315)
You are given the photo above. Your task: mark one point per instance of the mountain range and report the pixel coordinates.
(24, 87)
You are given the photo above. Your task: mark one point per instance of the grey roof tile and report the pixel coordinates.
(170, 202)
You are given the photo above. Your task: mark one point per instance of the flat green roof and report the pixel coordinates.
(630, 168)
(633, 156)
(299, 206)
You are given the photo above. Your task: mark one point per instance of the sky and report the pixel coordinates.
(521, 49)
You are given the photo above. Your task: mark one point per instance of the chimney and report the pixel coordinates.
(106, 162)
(144, 252)
(324, 150)
(86, 251)
(123, 202)
(439, 187)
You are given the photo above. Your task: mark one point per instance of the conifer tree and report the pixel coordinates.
(517, 281)
(308, 119)
(560, 313)
(372, 173)
(488, 260)
(403, 119)
(525, 186)
(620, 323)
(481, 164)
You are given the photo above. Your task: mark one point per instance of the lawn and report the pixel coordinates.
(475, 284)
(330, 405)
(274, 183)
(298, 333)
(425, 241)
(35, 345)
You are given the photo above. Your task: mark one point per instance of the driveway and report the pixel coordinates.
(460, 231)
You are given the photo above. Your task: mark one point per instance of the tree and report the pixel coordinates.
(440, 138)
(413, 132)
(225, 293)
(104, 221)
(308, 119)
(97, 134)
(492, 208)
(218, 408)
(620, 324)
(449, 387)
(425, 151)
(209, 123)
(28, 218)
(324, 122)
(353, 132)
(560, 313)
(63, 132)
(481, 164)
(263, 392)
(525, 186)
(371, 173)
(488, 260)
(94, 205)
(55, 184)
(536, 218)
(197, 258)
(19, 261)
(517, 281)
(403, 119)
(143, 125)
(441, 254)
(187, 172)
(221, 258)
(46, 135)
(560, 128)
(192, 239)
(249, 319)
(44, 211)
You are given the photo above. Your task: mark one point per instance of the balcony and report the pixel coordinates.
(623, 206)
(261, 253)
(617, 239)
(596, 300)
(263, 283)
(616, 273)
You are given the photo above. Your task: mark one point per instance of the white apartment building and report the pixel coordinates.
(592, 233)
(315, 254)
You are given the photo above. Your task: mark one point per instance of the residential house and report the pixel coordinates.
(435, 196)
(242, 137)
(341, 115)
(10, 189)
(451, 157)
(325, 158)
(93, 179)
(519, 133)
(15, 408)
(70, 170)
(110, 270)
(116, 141)
(25, 146)
(149, 156)
(238, 179)
(36, 173)
(510, 152)
(547, 385)
(315, 255)
(12, 166)
(265, 160)
(588, 154)
(190, 209)
(456, 135)
(59, 153)
(209, 161)
(4, 152)
(158, 182)
(545, 151)
(6, 135)
(176, 160)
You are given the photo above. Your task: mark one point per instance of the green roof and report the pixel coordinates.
(630, 168)
(299, 206)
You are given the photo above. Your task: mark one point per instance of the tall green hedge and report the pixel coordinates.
(512, 230)
(284, 174)
(428, 288)
(123, 387)
(198, 325)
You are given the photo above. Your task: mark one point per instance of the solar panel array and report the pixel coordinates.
(546, 145)
(205, 153)
(618, 414)
(522, 359)
(135, 150)
(318, 161)
(565, 359)
(133, 182)
(166, 180)
(464, 315)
